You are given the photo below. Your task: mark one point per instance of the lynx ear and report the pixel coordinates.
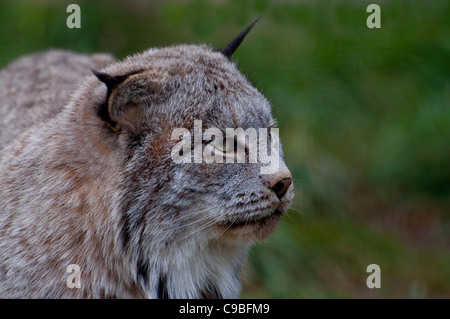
(229, 50)
(110, 81)
(128, 96)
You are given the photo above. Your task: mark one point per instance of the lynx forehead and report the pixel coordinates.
(87, 178)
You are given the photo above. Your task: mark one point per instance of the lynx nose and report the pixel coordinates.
(280, 188)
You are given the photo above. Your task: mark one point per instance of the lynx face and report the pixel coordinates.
(151, 95)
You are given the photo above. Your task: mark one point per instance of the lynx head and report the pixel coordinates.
(167, 98)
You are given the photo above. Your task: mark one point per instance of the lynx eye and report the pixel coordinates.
(226, 145)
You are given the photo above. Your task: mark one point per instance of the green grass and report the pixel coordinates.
(364, 118)
(317, 257)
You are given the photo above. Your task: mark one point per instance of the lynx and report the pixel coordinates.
(87, 178)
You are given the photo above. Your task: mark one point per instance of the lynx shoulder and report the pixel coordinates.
(87, 176)
(36, 87)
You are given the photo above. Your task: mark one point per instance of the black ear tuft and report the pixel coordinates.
(229, 50)
(110, 81)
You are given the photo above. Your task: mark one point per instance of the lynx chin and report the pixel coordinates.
(87, 176)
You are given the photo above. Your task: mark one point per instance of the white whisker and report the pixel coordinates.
(212, 222)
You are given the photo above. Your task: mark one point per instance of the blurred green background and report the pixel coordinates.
(364, 116)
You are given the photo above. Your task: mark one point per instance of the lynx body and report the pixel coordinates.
(86, 176)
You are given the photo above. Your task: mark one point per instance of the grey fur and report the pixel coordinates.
(105, 195)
